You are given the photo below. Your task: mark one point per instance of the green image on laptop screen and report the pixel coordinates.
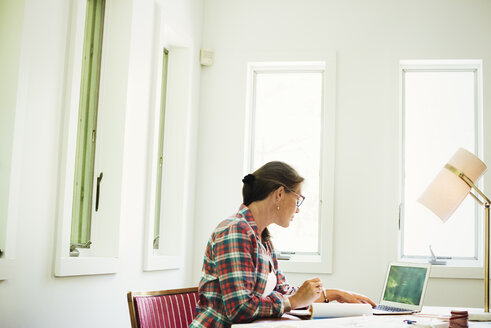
(405, 285)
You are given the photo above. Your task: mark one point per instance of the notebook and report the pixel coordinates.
(404, 288)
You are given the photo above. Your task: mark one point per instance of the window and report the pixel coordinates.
(287, 127)
(168, 203)
(441, 111)
(92, 138)
(290, 120)
(83, 187)
(160, 155)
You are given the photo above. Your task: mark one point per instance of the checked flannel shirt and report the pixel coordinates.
(234, 275)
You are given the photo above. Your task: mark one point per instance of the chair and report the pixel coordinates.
(172, 308)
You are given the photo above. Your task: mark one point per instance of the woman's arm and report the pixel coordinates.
(343, 296)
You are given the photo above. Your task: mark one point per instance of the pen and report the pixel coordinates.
(325, 296)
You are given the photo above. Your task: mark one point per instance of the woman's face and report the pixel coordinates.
(288, 207)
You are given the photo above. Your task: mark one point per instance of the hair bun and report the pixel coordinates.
(249, 179)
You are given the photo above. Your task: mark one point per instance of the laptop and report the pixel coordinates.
(404, 288)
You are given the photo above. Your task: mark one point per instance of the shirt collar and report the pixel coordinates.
(246, 213)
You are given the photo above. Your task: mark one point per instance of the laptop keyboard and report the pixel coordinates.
(390, 308)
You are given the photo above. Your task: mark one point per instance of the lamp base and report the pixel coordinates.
(479, 316)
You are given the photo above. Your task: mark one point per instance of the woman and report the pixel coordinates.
(240, 280)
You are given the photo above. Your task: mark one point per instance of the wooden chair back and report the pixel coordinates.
(173, 308)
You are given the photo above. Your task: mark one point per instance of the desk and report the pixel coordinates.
(389, 321)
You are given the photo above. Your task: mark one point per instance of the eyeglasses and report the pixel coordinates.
(300, 198)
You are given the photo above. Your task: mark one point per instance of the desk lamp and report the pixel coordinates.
(445, 194)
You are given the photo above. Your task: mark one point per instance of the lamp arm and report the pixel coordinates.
(476, 198)
(486, 205)
(471, 184)
(486, 257)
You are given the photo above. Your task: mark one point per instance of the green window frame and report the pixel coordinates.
(87, 126)
(160, 157)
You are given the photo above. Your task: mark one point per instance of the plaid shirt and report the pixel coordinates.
(234, 275)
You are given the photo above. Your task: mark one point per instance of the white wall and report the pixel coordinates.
(11, 18)
(32, 296)
(369, 38)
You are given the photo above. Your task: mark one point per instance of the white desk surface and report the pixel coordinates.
(391, 321)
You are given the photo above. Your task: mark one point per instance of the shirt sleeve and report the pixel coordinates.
(236, 262)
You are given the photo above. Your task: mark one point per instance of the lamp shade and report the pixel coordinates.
(447, 191)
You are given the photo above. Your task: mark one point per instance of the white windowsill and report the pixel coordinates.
(79, 266)
(454, 269)
(458, 272)
(314, 264)
(305, 264)
(162, 262)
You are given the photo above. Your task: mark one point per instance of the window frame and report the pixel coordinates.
(459, 267)
(103, 255)
(83, 188)
(160, 149)
(174, 206)
(300, 262)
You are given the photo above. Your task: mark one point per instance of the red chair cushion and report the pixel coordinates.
(166, 311)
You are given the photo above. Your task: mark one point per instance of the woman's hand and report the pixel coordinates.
(343, 296)
(306, 294)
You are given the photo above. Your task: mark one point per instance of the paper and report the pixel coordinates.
(336, 310)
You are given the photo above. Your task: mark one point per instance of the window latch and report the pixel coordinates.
(156, 242)
(98, 191)
(437, 260)
(74, 252)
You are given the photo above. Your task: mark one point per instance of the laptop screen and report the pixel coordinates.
(405, 284)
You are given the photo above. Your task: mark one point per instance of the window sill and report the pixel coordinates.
(454, 269)
(6, 268)
(83, 266)
(305, 264)
(161, 262)
(458, 272)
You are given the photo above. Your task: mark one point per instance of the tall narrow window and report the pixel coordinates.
(441, 111)
(286, 126)
(160, 157)
(168, 151)
(290, 118)
(87, 126)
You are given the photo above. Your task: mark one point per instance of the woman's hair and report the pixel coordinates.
(266, 179)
